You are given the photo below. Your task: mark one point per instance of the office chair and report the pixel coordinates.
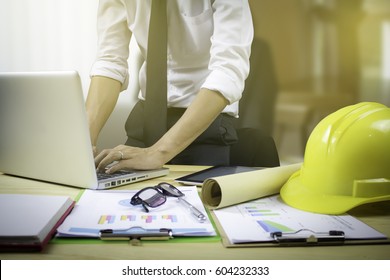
(255, 146)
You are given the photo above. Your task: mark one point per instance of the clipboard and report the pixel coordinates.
(111, 213)
(375, 216)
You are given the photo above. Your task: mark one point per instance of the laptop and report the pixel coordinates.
(44, 133)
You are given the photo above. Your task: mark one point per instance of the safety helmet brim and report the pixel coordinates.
(297, 195)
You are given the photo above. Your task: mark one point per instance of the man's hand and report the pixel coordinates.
(126, 157)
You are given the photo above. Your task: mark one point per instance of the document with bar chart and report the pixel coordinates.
(257, 221)
(101, 210)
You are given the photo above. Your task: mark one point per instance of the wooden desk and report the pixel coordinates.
(374, 214)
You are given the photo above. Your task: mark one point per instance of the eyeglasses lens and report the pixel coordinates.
(170, 190)
(152, 197)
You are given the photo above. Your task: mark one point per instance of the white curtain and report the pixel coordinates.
(53, 35)
(48, 35)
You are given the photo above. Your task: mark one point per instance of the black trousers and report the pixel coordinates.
(212, 147)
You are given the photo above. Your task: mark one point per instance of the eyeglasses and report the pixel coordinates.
(155, 196)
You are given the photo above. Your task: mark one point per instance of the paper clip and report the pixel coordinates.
(308, 237)
(136, 234)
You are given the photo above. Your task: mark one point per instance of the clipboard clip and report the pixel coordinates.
(136, 234)
(309, 237)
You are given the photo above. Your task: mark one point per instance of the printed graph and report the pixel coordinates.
(106, 219)
(110, 219)
(148, 218)
(256, 211)
(172, 218)
(130, 218)
(270, 226)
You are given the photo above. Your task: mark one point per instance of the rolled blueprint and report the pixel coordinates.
(219, 192)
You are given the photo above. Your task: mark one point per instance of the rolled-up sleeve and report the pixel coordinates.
(230, 49)
(113, 42)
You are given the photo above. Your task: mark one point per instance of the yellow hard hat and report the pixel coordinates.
(346, 162)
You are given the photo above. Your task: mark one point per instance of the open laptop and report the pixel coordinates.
(44, 133)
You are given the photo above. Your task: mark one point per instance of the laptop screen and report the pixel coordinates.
(43, 128)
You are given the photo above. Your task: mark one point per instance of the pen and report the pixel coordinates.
(194, 211)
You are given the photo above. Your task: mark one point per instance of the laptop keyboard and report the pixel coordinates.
(102, 175)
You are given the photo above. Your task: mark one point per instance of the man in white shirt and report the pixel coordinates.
(209, 46)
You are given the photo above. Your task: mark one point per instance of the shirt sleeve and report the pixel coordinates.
(230, 49)
(113, 42)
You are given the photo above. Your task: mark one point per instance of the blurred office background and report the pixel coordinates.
(326, 54)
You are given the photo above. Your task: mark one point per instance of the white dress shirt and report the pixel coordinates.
(209, 46)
